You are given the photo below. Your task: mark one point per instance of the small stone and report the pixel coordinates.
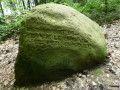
(78, 79)
(80, 75)
(12, 82)
(9, 62)
(88, 75)
(102, 87)
(69, 83)
(7, 51)
(0, 86)
(93, 83)
(6, 82)
(112, 70)
(109, 65)
(53, 88)
(108, 55)
(11, 46)
(107, 75)
(83, 76)
(85, 72)
(92, 76)
(1, 58)
(109, 25)
(17, 42)
(119, 29)
(81, 84)
(106, 36)
(117, 45)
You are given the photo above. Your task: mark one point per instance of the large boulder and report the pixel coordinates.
(57, 41)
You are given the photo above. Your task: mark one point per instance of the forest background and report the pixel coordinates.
(12, 12)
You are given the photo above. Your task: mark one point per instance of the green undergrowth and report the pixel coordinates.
(10, 25)
(95, 9)
(3, 28)
(97, 71)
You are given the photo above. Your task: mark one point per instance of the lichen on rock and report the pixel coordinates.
(57, 41)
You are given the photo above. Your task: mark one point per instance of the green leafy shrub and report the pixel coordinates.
(10, 25)
(3, 28)
(15, 20)
(95, 9)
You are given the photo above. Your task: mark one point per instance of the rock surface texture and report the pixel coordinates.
(57, 41)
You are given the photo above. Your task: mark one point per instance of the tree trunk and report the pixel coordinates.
(23, 4)
(74, 1)
(19, 3)
(42, 1)
(45, 1)
(78, 1)
(12, 5)
(36, 2)
(28, 3)
(1, 8)
(106, 6)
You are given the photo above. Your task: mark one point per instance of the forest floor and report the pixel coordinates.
(104, 77)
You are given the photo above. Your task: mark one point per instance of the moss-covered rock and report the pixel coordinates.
(56, 41)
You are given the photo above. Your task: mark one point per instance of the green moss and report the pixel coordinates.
(97, 71)
(55, 42)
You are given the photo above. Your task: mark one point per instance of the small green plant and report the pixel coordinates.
(97, 71)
